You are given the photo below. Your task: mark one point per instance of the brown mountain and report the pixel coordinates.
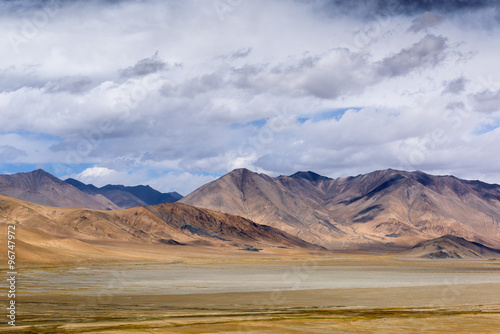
(384, 208)
(171, 224)
(451, 247)
(43, 188)
(127, 197)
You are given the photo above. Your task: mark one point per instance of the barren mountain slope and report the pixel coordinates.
(266, 200)
(127, 197)
(42, 188)
(451, 247)
(386, 207)
(171, 224)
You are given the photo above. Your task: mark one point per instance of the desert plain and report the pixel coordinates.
(130, 288)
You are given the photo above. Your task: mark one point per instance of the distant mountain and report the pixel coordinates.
(451, 247)
(127, 197)
(387, 208)
(167, 223)
(43, 188)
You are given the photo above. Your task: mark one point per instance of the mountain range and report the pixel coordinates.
(49, 230)
(127, 197)
(387, 208)
(43, 188)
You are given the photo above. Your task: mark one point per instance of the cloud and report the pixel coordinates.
(15, 77)
(455, 86)
(486, 101)
(10, 153)
(73, 85)
(337, 73)
(240, 53)
(427, 52)
(96, 172)
(370, 9)
(101, 176)
(424, 21)
(332, 86)
(144, 67)
(182, 182)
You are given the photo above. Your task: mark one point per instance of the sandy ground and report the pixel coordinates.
(242, 292)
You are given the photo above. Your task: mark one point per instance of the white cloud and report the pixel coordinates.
(182, 182)
(100, 176)
(251, 90)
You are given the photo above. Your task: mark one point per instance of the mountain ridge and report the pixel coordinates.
(451, 247)
(43, 188)
(173, 224)
(382, 207)
(128, 196)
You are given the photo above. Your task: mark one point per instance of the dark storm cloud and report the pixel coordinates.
(424, 21)
(428, 51)
(23, 6)
(371, 8)
(144, 67)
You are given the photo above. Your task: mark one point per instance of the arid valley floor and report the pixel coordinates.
(184, 289)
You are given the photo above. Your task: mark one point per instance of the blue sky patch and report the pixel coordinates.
(323, 115)
(259, 123)
(485, 128)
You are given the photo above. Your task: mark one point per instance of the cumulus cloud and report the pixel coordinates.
(455, 86)
(427, 52)
(10, 153)
(144, 67)
(240, 53)
(96, 172)
(181, 181)
(486, 101)
(339, 72)
(424, 21)
(15, 77)
(73, 85)
(339, 87)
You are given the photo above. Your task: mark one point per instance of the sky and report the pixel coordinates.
(175, 93)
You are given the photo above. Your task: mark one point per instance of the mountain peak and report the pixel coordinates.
(128, 196)
(450, 246)
(393, 207)
(39, 175)
(40, 172)
(311, 176)
(80, 185)
(43, 188)
(241, 171)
